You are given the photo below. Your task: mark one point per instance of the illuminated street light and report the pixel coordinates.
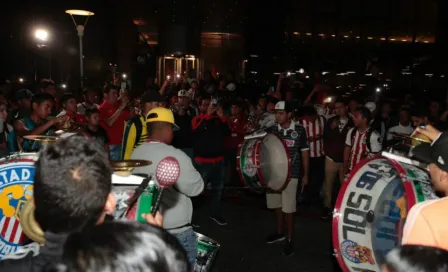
(21, 80)
(64, 86)
(41, 34)
(80, 28)
(378, 90)
(124, 76)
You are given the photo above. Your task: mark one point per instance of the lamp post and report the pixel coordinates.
(42, 36)
(80, 28)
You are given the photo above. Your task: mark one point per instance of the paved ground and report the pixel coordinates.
(242, 240)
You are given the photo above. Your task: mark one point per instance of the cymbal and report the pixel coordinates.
(41, 138)
(29, 224)
(125, 167)
(405, 136)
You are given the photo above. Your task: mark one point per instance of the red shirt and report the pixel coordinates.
(237, 126)
(79, 119)
(115, 132)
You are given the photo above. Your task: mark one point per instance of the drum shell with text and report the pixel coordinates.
(264, 162)
(371, 210)
(16, 188)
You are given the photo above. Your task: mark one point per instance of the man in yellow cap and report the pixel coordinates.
(176, 205)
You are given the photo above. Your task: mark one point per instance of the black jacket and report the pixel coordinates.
(208, 137)
(183, 138)
(35, 258)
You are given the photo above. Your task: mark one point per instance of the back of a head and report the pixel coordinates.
(413, 258)
(72, 183)
(124, 246)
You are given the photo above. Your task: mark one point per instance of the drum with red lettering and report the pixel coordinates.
(263, 160)
(371, 210)
(16, 187)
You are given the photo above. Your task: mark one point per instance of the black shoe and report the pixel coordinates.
(219, 220)
(326, 213)
(288, 250)
(274, 238)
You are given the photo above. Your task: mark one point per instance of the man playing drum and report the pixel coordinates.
(284, 202)
(427, 223)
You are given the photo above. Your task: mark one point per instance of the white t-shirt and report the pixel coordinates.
(399, 129)
(358, 143)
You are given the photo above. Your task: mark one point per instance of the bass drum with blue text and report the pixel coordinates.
(16, 188)
(371, 210)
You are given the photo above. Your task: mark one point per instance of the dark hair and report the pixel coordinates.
(39, 98)
(71, 184)
(87, 90)
(90, 111)
(413, 258)
(308, 111)
(66, 97)
(365, 113)
(406, 109)
(123, 246)
(108, 88)
(340, 100)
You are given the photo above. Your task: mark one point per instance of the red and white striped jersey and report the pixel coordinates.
(314, 129)
(358, 143)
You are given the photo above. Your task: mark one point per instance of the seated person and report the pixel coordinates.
(416, 259)
(69, 109)
(37, 123)
(123, 246)
(72, 190)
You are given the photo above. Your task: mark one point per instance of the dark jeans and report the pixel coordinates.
(212, 173)
(229, 175)
(315, 179)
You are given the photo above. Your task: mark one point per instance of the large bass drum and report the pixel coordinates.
(264, 161)
(16, 188)
(371, 210)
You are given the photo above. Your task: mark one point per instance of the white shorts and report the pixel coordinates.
(286, 199)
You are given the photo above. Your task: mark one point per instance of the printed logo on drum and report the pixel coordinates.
(16, 187)
(356, 253)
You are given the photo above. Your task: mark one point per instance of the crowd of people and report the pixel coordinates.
(201, 123)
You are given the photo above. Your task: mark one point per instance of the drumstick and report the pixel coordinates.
(303, 188)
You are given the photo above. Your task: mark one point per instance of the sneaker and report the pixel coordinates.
(288, 250)
(219, 220)
(326, 213)
(274, 238)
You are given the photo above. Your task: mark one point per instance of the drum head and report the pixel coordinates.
(16, 188)
(275, 162)
(370, 212)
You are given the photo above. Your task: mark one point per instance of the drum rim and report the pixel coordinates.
(240, 168)
(288, 156)
(203, 238)
(335, 222)
(24, 157)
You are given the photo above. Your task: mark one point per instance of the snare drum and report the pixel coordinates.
(207, 250)
(264, 162)
(371, 210)
(123, 188)
(16, 188)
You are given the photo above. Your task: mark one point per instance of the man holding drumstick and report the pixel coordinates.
(427, 223)
(284, 202)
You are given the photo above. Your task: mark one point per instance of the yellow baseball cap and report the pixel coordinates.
(161, 115)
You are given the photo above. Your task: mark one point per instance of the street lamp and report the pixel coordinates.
(41, 34)
(80, 28)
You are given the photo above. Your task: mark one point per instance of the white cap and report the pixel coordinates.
(371, 106)
(183, 93)
(231, 87)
